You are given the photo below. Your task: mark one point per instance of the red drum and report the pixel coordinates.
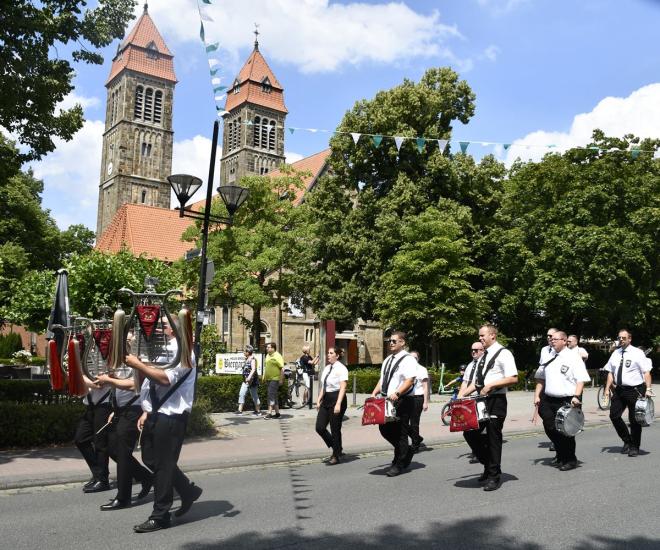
(377, 410)
(466, 413)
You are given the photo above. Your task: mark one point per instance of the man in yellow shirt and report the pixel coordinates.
(273, 377)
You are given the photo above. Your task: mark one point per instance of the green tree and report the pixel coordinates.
(36, 74)
(578, 242)
(254, 257)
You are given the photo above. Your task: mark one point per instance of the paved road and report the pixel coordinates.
(610, 502)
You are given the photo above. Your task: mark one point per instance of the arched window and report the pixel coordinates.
(264, 134)
(158, 106)
(271, 136)
(230, 136)
(144, 195)
(239, 132)
(255, 131)
(148, 104)
(139, 99)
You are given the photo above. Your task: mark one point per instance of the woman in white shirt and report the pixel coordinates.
(331, 403)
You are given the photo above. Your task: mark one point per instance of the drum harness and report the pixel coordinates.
(481, 376)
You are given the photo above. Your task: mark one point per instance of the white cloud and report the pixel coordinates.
(636, 114)
(314, 35)
(192, 156)
(290, 157)
(73, 98)
(499, 7)
(491, 53)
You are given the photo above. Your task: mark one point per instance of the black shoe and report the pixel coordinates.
(146, 487)
(408, 459)
(97, 487)
(114, 504)
(474, 460)
(483, 477)
(393, 471)
(151, 525)
(334, 460)
(555, 461)
(89, 483)
(634, 451)
(493, 484)
(568, 466)
(415, 448)
(625, 449)
(186, 503)
(552, 447)
(277, 415)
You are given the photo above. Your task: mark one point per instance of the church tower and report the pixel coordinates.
(253, 137)
(138, 137)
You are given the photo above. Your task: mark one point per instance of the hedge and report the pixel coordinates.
(221, 391)
(32, 391)
(31, 425)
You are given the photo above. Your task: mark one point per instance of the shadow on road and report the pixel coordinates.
(473, 483)
(205, 509)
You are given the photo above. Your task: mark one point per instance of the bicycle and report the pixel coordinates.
(602, 398)
(445, 414)
(295, 385)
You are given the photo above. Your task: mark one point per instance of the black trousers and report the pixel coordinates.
(625, 397)
(93, 447)
(418, 407)
(564, 445)
(162, 439)
(486, 442)
(397, 433)
(122, 441)
(325, 416)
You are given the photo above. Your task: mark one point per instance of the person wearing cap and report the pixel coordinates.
(250, 382)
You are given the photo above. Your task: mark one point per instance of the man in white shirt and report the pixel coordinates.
(421, 397)
(547, 355)
(573, 343)
(397, 378)
(629, 372)
(560, 382)
(496, 370)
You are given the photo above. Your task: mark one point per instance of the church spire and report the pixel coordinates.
(256, 37)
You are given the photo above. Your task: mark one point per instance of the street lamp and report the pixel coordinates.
(184, 187)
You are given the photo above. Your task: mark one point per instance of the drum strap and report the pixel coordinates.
(473, 372)
(115, 404)
(92, 404)
(550, 361)
(155, 402)
(388, 374)
(481, 375)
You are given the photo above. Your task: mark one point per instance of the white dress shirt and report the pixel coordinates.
(96, 395)
(407, 369)
(503, 367)
(563, 374)
(422, 374)
(181, 400)
(333, 377)
(635, 364)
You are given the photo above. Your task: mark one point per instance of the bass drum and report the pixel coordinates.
(569, 421)
(644, 411)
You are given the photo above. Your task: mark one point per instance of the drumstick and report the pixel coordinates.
(535, 418)
(139, 443)
(103, 427)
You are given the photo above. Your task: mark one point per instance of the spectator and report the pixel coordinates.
(273, 377)
(250, 382)
(308, 366)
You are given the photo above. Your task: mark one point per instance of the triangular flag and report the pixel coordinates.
(656, 155)
(215, 80)
(205, 16)
(219, 88)
(214, 72)
(221, 111)
(464, 146)
(442, 144)
(207, 1)
(212, 47)
(506, 146)
(213, 62)
(398, 140)
(635, 152)
(201, 32)
(292, 130)
(377, 140)
(221, 97)
(420, 143)
(356, 137)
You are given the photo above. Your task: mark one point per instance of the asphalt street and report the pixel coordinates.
(609, 502)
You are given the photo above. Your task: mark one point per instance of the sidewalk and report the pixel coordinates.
(249, 440)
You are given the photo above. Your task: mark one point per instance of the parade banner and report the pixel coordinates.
(232, 363)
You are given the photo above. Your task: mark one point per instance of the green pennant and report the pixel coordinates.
(377, 140)
(464, 146)
(635, 152)
(421, 142)
(212, 47)
(214, 72)
(217, 89)
(206, 2)
(292, 130)
(201, 31)
(506, 146)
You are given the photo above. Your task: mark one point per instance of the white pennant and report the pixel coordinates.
(215, 81)
(398, 140)
(442, 144)
(205, 16)
(356, 137)
(213, 62)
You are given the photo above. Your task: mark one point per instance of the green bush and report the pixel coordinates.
(29, 424)
(199, 422)
(9, 343)
(32, 391)
(211, 345)
(221, 391)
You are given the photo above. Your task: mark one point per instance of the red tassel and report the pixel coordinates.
(76, 383)
(55, 368)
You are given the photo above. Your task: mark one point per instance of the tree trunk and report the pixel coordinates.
(256, 327)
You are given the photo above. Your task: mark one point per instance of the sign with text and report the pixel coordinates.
(232, 363)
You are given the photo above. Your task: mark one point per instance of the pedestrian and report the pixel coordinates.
(331, 403)
(122, 437)
(495, 371)
(92, 443)
(560, 382)
(421, 397)
(629, 372)
(573, 343)
(308, 365)
(274, 378)
(250, 382)
(167, 397)
(396, 382)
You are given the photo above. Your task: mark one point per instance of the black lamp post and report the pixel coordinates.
(184, 187)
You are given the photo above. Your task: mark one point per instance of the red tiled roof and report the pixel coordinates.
(155, 232)
(132, 53)
(250, 80)
(314, 165)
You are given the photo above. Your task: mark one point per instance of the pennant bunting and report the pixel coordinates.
(421, 142)
(215, 81)
(635, 151)
(219, 89)
(207, 2)
(202, 35)
(377, 139)
(398, 140)
(204, 15)
(506, 146)
(212, 47)
(356, 137)
(214, 72)
(464, 145)
(213, 63)
(442, 144)
(292, 130)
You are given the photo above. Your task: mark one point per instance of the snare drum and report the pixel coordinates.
(644, 411)
(467, 413)
(569, 421)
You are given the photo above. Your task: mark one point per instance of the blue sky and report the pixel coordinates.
(544, 72)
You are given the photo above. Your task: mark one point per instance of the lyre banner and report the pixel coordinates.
(232, 363)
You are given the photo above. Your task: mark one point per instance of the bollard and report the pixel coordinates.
(311, 390)
(354, 390)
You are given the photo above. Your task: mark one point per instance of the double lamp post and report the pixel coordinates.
(184, 187)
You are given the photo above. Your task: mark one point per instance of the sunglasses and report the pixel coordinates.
(475, 350)
(393, 341)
